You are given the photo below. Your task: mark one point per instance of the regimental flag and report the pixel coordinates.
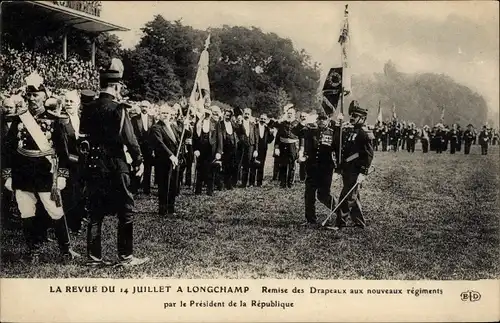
(394, 117)
(442, 115)
(201, 89)
(332, 89)
(344, 40)
(379, 116)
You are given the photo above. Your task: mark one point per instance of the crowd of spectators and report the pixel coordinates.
(73, 73)
(90, 7)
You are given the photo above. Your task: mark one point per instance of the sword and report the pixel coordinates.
(372, 169)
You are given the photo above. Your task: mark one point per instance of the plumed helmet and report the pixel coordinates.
(356, 110)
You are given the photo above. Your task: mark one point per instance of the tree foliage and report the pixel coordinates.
(419, 97)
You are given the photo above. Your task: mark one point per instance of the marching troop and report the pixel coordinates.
(70, 160)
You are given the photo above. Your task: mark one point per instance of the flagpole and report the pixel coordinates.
(342, 87)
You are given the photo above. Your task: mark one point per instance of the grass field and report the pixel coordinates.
(428, 217)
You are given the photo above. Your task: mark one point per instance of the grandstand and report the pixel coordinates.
(55, 38)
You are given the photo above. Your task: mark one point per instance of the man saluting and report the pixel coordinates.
(106, 126)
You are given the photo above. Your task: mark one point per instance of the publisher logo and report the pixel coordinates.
(470, 296)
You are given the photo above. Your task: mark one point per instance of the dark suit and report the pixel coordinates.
(165, 143)
(263, 143)
(248, 143)
(208, 144)
(230, 159)
(143, 137)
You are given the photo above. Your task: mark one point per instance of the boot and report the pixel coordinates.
(30, 234)
(62, 236)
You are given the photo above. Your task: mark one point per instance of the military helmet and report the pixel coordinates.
(356, 110)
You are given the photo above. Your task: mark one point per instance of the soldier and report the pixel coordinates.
(207, 145)
(265, 137)
(483, 140)
(453, 136)
(384, 136)
(318, 156)
(424, 139)
(302, 167)
(110, 135)
(356, 159)
(495, 138)
(460, 137)
(36, 167)
(439, 138)
(404, 135)
(411, 138)
(395, 136)
(165, 141)
(285, 147)
(229, 150)
(469, 137)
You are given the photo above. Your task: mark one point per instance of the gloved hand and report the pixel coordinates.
(187, 122)
(217, 156)
(140, 170)
(196, 153)
(255, 154)
(174, 160)
(301, 156)
(277, 152)
(8, 184)
(61, 183)
(361, 178)
(336, 176)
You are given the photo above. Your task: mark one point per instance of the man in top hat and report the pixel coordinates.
(207, 145)
(286, 146)
(264, 136)
(248, 148)
(108, 130)
(230, 160)
(165, 142)
(317, 154)
(36, 167)
(142, 124)
(469, 137)
(483, 140)
(356, 159)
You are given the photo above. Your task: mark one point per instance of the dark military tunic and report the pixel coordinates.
(287, 141)
(483, 141)
(319, 165)
(469, 137)
(453, 136)
(106, 126)
(357, 156)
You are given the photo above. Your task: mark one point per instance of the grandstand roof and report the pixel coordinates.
(71, 17)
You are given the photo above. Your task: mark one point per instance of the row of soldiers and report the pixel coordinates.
(396, 136)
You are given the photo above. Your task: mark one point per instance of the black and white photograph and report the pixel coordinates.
(294, 140)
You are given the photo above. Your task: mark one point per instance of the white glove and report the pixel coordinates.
(361, 178)
(340, 116)
(186, 122)
(301, 156)
(196, 153)
(217, 156)
(61, 183)
(174, 160)
(255, 154)
(140, 171)
(336, 176)
(8, 184)
(277, 152)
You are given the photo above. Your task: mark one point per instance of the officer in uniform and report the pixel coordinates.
(424, 139)
(356, 159)
(469, 138)
(36, 167)
(109, 134)
(453, 136)
(285, 147)
(317, 155)
(411, 138)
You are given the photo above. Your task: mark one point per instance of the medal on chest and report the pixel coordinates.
(325, 138)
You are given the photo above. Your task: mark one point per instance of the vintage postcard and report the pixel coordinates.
(249, 161)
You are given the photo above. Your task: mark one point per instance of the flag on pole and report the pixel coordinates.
(442, 115)
(201, 89)
(394, 117)
(344, 45)
(332, 90)
(379, 116)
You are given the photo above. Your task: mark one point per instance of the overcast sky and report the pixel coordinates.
(460, 39)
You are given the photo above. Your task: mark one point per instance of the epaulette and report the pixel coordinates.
(311, 126)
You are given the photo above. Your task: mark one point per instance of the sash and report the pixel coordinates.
(36, 133)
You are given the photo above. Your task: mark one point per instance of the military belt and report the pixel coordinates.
(35, 153)
(289, 140)
(352, 157)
